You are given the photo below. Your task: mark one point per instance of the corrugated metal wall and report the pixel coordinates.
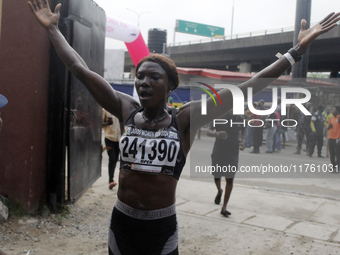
(39, 89)
(24, 72)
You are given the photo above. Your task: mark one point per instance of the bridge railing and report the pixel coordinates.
(236, 36)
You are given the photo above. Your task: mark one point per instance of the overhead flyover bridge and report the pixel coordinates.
(252, 53)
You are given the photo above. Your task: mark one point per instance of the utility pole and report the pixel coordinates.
(232, 20)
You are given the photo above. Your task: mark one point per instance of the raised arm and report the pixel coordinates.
(100, 89)
(271, 73)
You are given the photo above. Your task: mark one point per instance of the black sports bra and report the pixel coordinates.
(153, 151)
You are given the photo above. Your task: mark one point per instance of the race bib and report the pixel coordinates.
(150, 151)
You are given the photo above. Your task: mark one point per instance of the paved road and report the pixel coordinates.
(319, 183)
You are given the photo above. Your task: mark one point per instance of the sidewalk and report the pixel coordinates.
(262, 221)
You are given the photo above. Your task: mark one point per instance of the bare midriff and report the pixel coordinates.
(146, 191)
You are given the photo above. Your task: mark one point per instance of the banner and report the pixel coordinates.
(130, 34)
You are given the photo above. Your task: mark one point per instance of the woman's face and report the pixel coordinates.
(151, 85)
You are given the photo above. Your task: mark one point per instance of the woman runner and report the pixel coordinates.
(155, 142)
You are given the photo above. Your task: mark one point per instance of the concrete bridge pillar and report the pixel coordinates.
(303, 11)
(244, 67)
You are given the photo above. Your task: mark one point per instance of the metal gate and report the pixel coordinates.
(79, 133)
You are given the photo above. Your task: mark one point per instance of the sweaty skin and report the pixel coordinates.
(145, 191)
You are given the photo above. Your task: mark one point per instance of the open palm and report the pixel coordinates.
(42, 12)
(307, 36)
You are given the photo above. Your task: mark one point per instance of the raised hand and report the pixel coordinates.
(307, 36)
(42, 11)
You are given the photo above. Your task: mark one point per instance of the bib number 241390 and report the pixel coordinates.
(155, 151)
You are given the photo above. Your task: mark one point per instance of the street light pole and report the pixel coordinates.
(138, 14)
(232, 20)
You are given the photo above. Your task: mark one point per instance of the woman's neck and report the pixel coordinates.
(154, 115)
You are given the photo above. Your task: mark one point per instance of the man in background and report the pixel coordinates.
(317, 124)
(112, 134)
(257, 128)
(229, 139)
(277, 135)
(334, 139)
(304, 129)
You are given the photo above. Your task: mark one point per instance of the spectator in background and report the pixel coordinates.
(229, 140)
(317, 123)
(283, 138)
(277, 135)
(257, 128)
(303, 130)
(329, 115)
(112, 134)
(313, 110)
(294, 113)
(334, 139)
(271, 129)
(249, 137)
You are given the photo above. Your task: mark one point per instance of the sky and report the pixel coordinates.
(249, 15)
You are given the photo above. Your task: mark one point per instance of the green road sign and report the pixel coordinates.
(189, 27)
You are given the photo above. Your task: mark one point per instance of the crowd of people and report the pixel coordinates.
(317, 129)
(256, 124)
(311, 130)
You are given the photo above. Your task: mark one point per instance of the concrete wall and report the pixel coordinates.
(24, 72)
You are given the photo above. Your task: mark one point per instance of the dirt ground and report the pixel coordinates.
(84, 230)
